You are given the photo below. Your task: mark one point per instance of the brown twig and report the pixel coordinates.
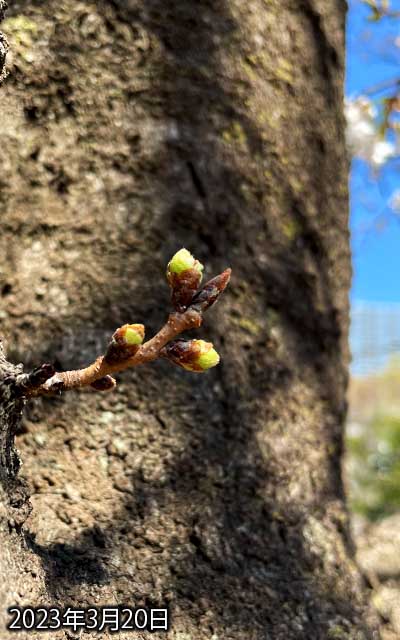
(98, 374)
(100, 368)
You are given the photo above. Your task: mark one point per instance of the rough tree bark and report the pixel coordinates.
(3, 43)
(15, 563)
(130, 129)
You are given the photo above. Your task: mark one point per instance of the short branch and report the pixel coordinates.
(126, 349)
(150, 350)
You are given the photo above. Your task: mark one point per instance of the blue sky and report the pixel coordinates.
(371, 59)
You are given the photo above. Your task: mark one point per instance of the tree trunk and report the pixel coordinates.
(130, 129)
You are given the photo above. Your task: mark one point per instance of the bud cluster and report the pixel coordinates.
(184, 274)
(126, 348)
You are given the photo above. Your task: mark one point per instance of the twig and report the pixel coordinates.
(382, 86)
(125, 350)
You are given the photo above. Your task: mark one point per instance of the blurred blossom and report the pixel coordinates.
(381, 152)
(360, 131)
(362, 135)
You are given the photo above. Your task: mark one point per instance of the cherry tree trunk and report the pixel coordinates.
(130, 129)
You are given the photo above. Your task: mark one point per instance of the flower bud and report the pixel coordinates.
(192, 355)
(211, 291)
(130, 334)
(184, 274)
(182, 261)
(125, 343)
(104, 384)
(37, 377)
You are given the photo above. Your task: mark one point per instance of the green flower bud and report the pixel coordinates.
(192, 355)
(125, 342)
(182, 261)
(133, 334)
(184, 274)
(208, 357)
